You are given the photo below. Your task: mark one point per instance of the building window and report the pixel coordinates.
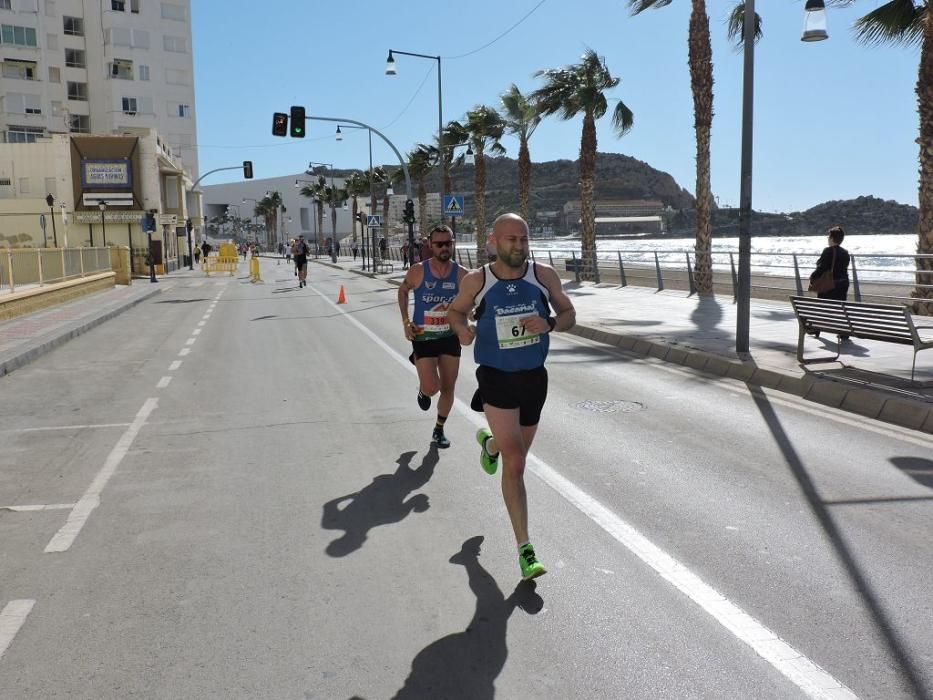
(121, 69)
(144, 72)
(173, 76)
(5, 5)
(140, 39)
(130, 105)
(118, 5)
(51, 42)
(20, 70)
(134, 6)
(73, 26)
(75, 58)
(77, 91)
(173, 11)
(23, 134)
(184, 110)
(50, 8)
(80, 124)
(18, 36)
(24, 185)
(55, 74)
(176, 44)
(19, 103)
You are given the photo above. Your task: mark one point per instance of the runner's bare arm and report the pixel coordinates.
(566, 315)
(463, 304)
(413, 279)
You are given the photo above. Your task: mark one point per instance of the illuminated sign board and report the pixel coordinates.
(107, 173)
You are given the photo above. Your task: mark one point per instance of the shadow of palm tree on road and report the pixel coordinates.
(466, 664)
(380, 502)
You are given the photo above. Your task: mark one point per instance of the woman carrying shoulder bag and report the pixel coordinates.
(832, 269)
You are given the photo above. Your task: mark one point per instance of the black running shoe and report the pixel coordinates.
(424, 401)
(439, 439)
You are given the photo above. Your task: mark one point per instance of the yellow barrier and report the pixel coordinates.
(219, 263)
(254, 270)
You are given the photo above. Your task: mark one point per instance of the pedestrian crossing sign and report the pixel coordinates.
(374, 221)
(453, 205)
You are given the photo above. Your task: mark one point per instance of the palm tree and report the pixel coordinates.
(911, 22)
(268, 208)
(420, 163)
(521, 120)
(700, 60)
(571, 90)
(357, 184)
(482, 130)
(315, 192)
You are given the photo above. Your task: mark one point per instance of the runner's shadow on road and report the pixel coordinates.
(381, 502)
(466, 664)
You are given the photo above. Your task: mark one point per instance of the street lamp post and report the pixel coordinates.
(103, 207)
(815, 11)
(372, 196)
(390, 70)
(50, 200)
(333, 221)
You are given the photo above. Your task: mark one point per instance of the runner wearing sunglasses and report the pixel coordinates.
(435, 347)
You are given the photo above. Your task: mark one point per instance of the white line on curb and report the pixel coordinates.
(12, 618)
(793, 665)
(64, 538)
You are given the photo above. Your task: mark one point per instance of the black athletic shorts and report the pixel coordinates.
(525, 390)
(437, 347)
(301, 261)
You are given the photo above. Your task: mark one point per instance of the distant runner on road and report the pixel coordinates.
(300, 253)
(435, 348)
(512, 298)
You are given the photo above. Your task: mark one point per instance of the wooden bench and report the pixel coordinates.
(888, 323)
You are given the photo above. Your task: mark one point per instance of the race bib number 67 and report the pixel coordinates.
(512, 334)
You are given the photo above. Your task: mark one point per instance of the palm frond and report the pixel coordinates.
(897, 22)
(622, 119)
(735, 26)
(639, 6)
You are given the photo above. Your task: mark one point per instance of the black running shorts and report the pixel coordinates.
(301, 261)
(525, 390)
(437, 347)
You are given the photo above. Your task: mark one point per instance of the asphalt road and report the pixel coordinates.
(240, 500)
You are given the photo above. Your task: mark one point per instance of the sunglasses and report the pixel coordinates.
(442, 244)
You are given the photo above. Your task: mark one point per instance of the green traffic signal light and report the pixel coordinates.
(298, 122)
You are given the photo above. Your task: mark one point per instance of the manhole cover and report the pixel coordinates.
(610, 406)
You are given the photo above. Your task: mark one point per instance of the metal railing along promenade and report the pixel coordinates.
(36, 267)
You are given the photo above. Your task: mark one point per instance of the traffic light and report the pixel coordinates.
(298, 122)
(280, 124)
(248, 169)
(409, 217)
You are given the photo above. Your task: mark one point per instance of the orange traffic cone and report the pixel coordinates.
(341, 298)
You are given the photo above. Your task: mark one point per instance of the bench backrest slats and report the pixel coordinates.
(887, 322)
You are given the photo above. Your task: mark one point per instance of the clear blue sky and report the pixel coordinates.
(833, 119)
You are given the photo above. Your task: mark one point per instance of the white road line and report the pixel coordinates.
(175, 365)
(28, 509)
(12, 618)
(164, 382)
(183, 352)
(65, 537)
(196, 331)
(64, 427)
(190, 341)
(201, 324)
(793, 665)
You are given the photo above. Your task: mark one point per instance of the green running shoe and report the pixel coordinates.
(486, 460)
(531, 567)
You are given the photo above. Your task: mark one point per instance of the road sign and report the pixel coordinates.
(453, 205)
(374, 220)
(168, 219)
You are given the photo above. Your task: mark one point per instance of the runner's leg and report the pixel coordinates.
(448, 368)
(428, 382)
(510, 443)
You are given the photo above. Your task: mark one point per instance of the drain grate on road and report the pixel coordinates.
(610, 406)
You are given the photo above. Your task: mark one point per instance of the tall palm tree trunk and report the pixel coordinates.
(925, 214)
(587, 212)
(701, 82)
(422, 208)
(479, 199)
(524, 178)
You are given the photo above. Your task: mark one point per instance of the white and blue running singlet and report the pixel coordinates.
(432, 297)
(501, 341)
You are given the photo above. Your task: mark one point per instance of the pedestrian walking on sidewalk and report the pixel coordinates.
(511, 300)
(435, 347)
(835, 258)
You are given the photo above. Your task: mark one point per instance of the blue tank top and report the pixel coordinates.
(432, 297)
(501, 342)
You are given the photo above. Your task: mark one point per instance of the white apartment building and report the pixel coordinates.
(102, 67)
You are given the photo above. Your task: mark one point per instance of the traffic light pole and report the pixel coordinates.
(341, 120)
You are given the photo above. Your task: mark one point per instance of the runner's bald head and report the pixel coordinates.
(508, 222)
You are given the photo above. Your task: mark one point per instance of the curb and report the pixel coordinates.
(24, 357)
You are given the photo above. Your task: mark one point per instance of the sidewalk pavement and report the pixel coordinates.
(870, 379)
(25, 338)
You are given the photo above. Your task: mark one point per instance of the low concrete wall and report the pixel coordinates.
(120, 262)
(37, 298)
